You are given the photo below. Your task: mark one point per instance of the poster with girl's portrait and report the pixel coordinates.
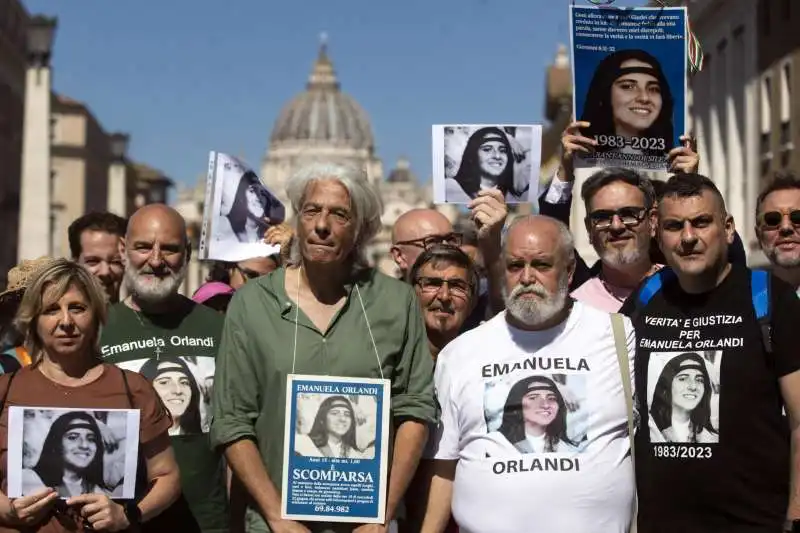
(74, 451)
(683, 392)
(470, 158)
(629, 68)
(237, 213)
(336, 449)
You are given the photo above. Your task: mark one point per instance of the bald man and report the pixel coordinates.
(415, 231)
(539, 382)
(173, 342)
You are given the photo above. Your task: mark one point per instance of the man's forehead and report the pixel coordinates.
(93, 237)
(782, 199)
(690, 206)
(327, 193)
(155, 228)
(423, 226)
(443, 268)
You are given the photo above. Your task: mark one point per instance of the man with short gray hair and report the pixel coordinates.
(327, 313)
(534, 405)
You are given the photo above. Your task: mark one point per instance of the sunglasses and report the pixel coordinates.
(450, 239)
(629, 216)
(247, 273)
(773, 219)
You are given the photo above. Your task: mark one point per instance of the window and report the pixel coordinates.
(786, 104)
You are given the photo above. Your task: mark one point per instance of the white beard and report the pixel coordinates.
(536, 312)
(155, 290)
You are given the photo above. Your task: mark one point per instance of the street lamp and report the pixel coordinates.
(117, 201)
(41, 30)
(119, 146)
(35, 237)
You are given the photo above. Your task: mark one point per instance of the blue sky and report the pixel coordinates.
(187, 76)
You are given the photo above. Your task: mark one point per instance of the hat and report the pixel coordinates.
(21, 275)
(210, 290)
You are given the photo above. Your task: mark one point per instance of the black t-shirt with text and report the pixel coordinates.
(712, 448)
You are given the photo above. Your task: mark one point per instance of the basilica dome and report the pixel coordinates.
(323, 114)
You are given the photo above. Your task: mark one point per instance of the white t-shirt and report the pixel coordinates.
(506, 393)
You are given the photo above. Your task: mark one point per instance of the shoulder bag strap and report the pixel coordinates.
(127, 388)
(8, 389)
(618, 328)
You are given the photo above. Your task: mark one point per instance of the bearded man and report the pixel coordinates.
(173, 342)
(533, 405)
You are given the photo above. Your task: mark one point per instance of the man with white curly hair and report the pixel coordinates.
(326, 313)
(536, 405)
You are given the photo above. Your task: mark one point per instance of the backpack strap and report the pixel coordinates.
(621, 345)
(653, 284)
(760, 285)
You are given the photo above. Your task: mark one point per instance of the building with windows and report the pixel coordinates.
(779, 86)
(13, 22)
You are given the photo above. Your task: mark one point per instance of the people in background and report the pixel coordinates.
(12, 341)
(94, 243)
(778, 226)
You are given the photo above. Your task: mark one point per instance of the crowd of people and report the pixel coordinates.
(525, 384)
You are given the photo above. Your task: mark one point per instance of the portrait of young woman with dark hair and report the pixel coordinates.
(250, 205)
(333, 432)
(71, 459)
(681, 405)
(535, 417)
(488, 162)
(629, 105)
(176, 385)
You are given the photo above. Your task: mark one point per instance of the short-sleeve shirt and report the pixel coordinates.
(538, 423)
(30, 388)
(712, 451)
(177, 354)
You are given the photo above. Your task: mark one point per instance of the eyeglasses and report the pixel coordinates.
(458, 287)
(773, 219)
(630, 216)
(450, 239)
(249, 274)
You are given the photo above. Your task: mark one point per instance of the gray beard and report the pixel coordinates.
(535, 313)
(155, 292)
(621, 258)
(782, 260)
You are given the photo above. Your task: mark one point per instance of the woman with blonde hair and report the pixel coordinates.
(60, 317)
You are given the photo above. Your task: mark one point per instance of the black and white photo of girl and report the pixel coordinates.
(247, 207)
(335, 430)
(79, 454)
(475, 158)
(682, 404)
(629, 105)
(534, 417)
(177, 386)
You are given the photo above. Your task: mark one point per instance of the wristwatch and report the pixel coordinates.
(791, 526)
(133, 514)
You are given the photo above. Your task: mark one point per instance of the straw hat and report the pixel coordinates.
(20, 277)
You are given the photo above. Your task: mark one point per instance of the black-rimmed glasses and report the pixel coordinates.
(449, 239)
(457, 287)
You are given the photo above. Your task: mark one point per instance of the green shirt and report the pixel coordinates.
(176, 352)
(256, 355)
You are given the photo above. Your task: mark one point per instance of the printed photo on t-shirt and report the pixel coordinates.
(683, 391)
(184, 385)
(336, 425)
(543, 413)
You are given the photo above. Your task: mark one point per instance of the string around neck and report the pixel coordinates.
(363, 310)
